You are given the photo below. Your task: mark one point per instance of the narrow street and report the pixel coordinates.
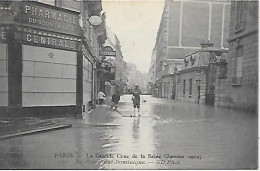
(167, 135)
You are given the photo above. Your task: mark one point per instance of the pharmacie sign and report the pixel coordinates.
(107, 51)
(3, 35)
(50, 18)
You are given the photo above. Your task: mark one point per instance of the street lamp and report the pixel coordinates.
(95, 20)
(198, 82)
(198, 86)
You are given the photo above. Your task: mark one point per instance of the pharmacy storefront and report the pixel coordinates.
(39, 48)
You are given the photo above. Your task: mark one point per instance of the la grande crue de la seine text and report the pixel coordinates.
(127, 156)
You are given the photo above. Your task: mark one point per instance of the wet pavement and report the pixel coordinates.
(166, 135)
(11, 127)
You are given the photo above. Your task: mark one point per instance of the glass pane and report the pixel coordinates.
(239, 67)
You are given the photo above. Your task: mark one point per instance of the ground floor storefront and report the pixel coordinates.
(45, 70)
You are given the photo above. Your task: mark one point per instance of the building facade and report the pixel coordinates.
(241, 88)
(167, 84)
(201, 74)
(48, 56)
(118, 65)
(124, 77)
(131, 76)
(182, 30)
(152, 74)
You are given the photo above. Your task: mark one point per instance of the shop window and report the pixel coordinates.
(87, 66)
(184, 86)
(190, 92)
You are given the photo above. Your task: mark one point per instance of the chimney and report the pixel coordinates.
(206, 44)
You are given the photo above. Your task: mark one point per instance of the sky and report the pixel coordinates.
(136, 24)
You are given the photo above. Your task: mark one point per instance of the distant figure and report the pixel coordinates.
(115, 99)
(101, 97)
(107, 88)
(136, 98)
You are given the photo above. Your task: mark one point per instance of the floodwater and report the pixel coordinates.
(167, 135)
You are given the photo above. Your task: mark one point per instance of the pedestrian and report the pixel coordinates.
(115, 99)
(107, 88)
(136, 98)
(101, 97)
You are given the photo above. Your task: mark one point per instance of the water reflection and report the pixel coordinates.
(14, 155)
(133, 137)
(136, 127)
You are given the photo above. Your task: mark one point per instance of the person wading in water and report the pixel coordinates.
(136, 99)
(115, 100)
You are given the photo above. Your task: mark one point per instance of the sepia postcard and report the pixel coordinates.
(129, 84)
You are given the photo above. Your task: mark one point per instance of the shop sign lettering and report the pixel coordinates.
(107, 51)
(48, 14)
(39, 16)
(49, 41)
(3, 35)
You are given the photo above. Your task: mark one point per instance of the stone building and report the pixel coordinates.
(48, 55)
(124, 77)
(167, 84)
(131, 76)
(241, 88)
(200, 75)
(117, 62)
(182, 29)
(152, 74)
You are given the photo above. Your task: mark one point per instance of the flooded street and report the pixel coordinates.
(167, 135)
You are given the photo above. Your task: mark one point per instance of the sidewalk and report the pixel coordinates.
(101, 115)
(12, 127)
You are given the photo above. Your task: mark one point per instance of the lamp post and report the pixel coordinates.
(198, 86)
(94, 21)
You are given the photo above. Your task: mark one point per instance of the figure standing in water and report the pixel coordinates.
(136, 99)
(115, 100)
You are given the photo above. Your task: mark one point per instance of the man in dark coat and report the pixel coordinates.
(136, 98)
(115, 99)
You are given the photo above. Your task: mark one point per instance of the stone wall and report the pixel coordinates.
(193, 97)
(244, 95)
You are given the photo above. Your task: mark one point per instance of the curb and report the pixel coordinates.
(51, 128)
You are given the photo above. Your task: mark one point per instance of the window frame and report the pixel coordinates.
(240, 15)
(239, 60)
(236, 80)
(190, 90)
(184, 87)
